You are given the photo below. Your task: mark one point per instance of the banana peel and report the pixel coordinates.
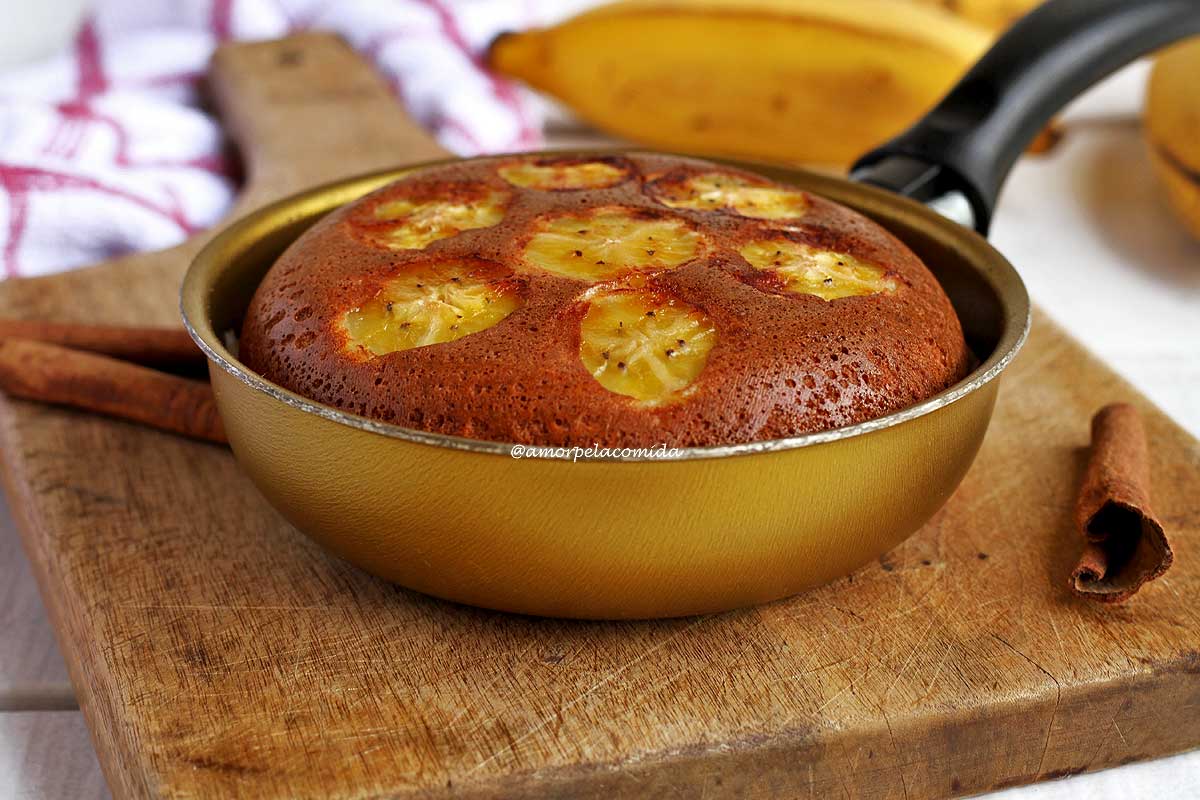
(790, 80)
(1172, 129)
(995, 15)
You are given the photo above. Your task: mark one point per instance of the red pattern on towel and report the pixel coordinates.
(109, 149)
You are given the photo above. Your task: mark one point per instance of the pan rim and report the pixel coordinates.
(207, 263)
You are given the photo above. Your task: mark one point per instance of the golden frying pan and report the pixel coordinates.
(713, 528)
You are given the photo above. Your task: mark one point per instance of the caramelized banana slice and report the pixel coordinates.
(644, 344)
(430, 304)
(720, 191)
(610, 241)
(825, 273)
(555, 174)
(412, 222)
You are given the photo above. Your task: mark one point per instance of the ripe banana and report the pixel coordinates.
(643, 345)
(1172, 129)
(716, 191)
(790, 80)
(413, 223)
(827, 274)
(994, 15)
(603, 243)
(436, 303)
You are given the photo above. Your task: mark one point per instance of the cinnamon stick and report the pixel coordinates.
(152, 347)
(1124, 543)
(50, 373)
(1047, 139)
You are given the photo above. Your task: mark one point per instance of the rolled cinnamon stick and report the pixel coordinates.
(1124, 543)
(52, 374)
(154, 347)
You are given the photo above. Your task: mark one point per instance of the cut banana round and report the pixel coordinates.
(412, 223)
(555, 174)
(716, 191)
(611, 241)
(644, 345)
(824, 273)
(431, 304)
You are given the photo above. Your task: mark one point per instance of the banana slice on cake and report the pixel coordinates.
(430, 305)
(827, 274)
(557, 174)
(610, 241)
(644, 344)
(718, 191)
(414, 222)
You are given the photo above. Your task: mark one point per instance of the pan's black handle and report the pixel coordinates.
(963, 149)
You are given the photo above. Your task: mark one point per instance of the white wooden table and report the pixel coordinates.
(1089, 231)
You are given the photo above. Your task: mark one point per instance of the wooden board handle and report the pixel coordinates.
(308, 109)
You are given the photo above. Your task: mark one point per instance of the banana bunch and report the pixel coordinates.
(1172, 128)
(790, 80)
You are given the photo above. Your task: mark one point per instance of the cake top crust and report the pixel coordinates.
(616, 300)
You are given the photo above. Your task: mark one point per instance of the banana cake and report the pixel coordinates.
(625, 301)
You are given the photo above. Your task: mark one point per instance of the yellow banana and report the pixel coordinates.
(995, 15)
(791, 80)
(1172, 128)
(998, 15)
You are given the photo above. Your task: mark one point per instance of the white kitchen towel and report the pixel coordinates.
(108, 149)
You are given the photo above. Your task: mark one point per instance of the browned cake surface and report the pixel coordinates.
(685, 304)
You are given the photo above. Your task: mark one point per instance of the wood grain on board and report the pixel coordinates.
(216, 652)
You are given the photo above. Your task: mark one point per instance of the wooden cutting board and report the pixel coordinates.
(216, 652)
